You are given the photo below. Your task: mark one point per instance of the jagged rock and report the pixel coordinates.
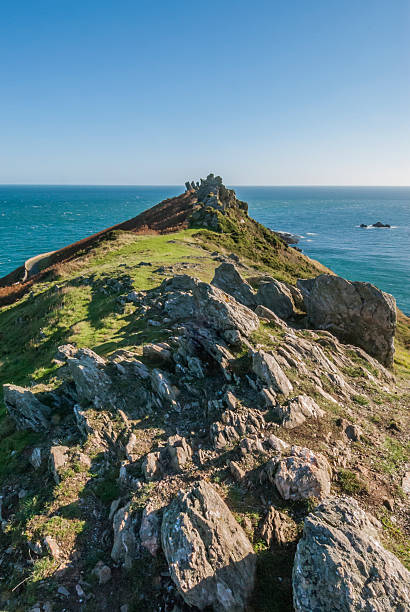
(277, 444)
(266, 313)
(210, 559)
(35, 458)
(278, 528)
(82, 421)
(235, 425)
(91, 381)
(150, 529)
(295, 411)
(357, 313)
(25, 409)
(52, 547)
(277, 297)
(303, 475)
(268, 370)
(151, 467)
(125, 545)
(237, 471)
(58, 459)
(162, 386)
(158, 352)
(341, 565)
(187, 298)
(178, 451)
(229, 280)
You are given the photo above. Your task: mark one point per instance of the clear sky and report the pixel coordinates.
(289, 92)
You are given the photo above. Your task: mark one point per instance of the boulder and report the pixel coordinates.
(149, 529)
(357, 313)
(270, 373)
(303, 475)
(124, 547)
(91, 381)
(210, 559)
(278, 528)
(296, 410)
(277, 297)
(58, 458)
(25, 409)
(265, 313)
(229, 280)
(341, 565)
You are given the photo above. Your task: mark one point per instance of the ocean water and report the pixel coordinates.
(36, 219)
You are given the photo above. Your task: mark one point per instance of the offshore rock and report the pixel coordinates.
(340, 564)
(210, 559)
(357, 313)
(25, 409)
(303, 475)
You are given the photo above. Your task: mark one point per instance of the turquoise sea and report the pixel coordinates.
(36, 219)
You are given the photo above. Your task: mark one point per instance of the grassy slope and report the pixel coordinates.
(76, 304)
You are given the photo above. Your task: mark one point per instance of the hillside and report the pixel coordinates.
(176, 352)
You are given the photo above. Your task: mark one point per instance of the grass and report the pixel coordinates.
(350, 483)
(395, 455)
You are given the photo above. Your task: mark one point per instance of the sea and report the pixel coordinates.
(37, 219)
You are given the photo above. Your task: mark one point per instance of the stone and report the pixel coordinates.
(103, 572)
(405, 483)
(303, 475)
(277, 297)
(296, 410)
(357, 313)
(63, 591)
(266, 313)
(237, 471)
(91, 381)
(35, 458)
(277, 444)
(124, 547)
(150, 529)
(58, 459)
(353, 432)
(25, 409)
(129, 447)
(52, 547)
(278, 528)
(151, 467)
(157, 352)
(340, 563)
(211, 561)
(230, 281)
(269, 372)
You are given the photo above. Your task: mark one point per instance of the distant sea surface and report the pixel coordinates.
(36, 219)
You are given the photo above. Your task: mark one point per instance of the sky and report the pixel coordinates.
(296, 92)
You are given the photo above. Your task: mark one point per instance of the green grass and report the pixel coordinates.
(350, 482)
(395, 455)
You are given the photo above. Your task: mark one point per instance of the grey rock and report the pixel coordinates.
(296, 410)
(229, 280)
(341, 565)
(210, 559)
(158, 352)
(269, 372)
(58, 458)
(277, 297)
(103, 572)
(35, 458)
(303, 475)
(150, 529)
(357, 313)
(124, 547)
(25, 409)
(278, 528)
(52, 547)
(266, 313)
(91, 381)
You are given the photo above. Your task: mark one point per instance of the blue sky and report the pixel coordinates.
(293, 92)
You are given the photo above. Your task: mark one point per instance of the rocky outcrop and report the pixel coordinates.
(357, 313)
(210, 559)
(296, 410)
(303, 475)
(267, 369)
(278, 528)
(277, 297)
(229, 280)
(124, 549)
(341, 565)
(25, 409)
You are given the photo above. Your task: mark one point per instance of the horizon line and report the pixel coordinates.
(179, 185)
